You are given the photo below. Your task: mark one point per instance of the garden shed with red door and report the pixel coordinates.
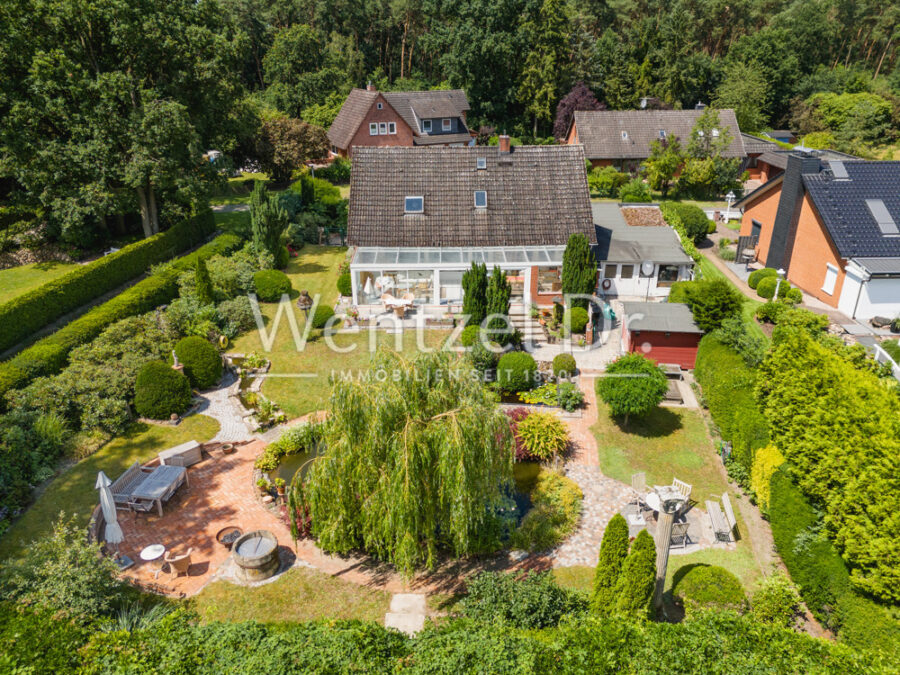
(664, 332)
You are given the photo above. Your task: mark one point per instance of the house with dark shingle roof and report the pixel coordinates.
(622, 138)
(766, 159)
(418, 218)
(400, 118)
(833, 225)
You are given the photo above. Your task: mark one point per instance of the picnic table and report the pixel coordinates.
(160, 484)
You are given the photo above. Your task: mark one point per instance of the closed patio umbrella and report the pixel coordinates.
(368, 287)
(113, 533)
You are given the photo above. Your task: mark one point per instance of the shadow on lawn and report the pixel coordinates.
(658, 423)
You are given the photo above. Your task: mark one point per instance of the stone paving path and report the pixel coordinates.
(226, 411)
(407, 613)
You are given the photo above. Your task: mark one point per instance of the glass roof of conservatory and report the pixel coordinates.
(443, 257)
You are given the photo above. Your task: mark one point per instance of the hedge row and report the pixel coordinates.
(30, 312)
(672, 216)
(727, 384)
(48, 356)
(817, 567)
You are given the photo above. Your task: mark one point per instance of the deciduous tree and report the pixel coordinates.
(633, 385)
(663, 163)
(579, 98)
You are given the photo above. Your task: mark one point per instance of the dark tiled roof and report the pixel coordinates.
(666, 317)
(352, 113)
(841, 203)
(754, 145)
(536, 195)
(440, 103)
(600, 131)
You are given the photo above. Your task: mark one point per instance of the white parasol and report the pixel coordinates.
(113, 533)
(367, 289)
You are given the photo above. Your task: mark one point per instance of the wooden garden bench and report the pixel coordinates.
(723, 523)
(123, 486)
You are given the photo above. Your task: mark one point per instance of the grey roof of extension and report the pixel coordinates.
(665, 317)
(779, 157)
(755, 145)
(536, 195)
(600, 131)
(878, 266)
(842, 205)
(617, 241)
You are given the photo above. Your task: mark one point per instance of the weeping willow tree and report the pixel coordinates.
(417, 459)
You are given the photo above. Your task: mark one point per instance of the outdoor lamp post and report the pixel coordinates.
(780, 272)
(305, 303)
(670, 503)
(729, 198)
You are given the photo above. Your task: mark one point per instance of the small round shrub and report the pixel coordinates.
(577, 318)
(758, 275)
(161, 391)
(776, 601)
(322, 315)
(766, 288)
(482, 358)
(282, 257)
(564, 365)
(771, 312)
(271, 285)
(344, 285)
(469, 336)
(516, 371)
(202, 363)
(794, 296)
(710, 587)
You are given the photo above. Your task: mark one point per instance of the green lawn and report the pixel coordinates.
(18, 280)
(300, 594)
(709, 271)
(668, 443)
(73, 490)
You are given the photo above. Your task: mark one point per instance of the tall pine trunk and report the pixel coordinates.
(146, 222)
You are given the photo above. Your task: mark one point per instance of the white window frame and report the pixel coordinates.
(426, 126)
(392, 127)
(662, 133)
(481, 163)
(382, 128)
(624, 135)
(380, 105)
(715, 133)
(475, 197)
(406, 208)
(373, 128)
(446, 124)
(831, 275)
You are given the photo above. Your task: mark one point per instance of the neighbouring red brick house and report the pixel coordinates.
(400, 118)
(663, 332)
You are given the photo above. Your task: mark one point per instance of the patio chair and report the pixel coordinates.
(388, 300)
(179, 564)
(408, 297)
(140, 506)
(639, 487)
(680, 534)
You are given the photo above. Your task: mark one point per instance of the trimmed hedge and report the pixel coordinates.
(672, 216)
(27, 313)
(161, 391)
(270, 285)
(202, 363)
(321, 317)
(758, 275)
(710, 587)
(727, 384)
(564, 365)
(577, 317)
(48, 356)
(345, 284)
(766, 288)
(516, 371)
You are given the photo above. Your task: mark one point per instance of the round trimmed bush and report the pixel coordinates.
(161, 391)
(322, 315)
(270, 285)
(282, 257)
(794, 296)
(469, 336)
(577, 318)
(758, 275)
(202, 363)
(771, 312)
(516, 371)
(766, 288)
(482, 358)
(564, 365)
(344, 284)
(710, 587)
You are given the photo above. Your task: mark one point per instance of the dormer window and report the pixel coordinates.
(715, 133)
(414, 205)
(662, 133)
(480, 199)
(624, 135)
(426, 126)
(481, 162)
(446, 124)
(380, 106)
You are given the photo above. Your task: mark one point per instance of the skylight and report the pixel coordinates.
(882, 216)
(414, 205)
(480, 162)
(838, 170)
(624, 135)
(662, 133)
(480, 199)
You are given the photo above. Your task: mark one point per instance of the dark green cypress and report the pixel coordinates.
(613, 551)
(474, 283)
(634, 591)
(579, 270)
(498, 295)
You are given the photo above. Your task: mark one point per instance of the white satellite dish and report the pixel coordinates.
(647, 268)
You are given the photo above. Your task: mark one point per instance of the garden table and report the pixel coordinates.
(160, 484)
(153, 554)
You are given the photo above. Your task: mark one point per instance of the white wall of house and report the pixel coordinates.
(627, 279)
(862, 298)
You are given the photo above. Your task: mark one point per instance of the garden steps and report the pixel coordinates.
(407, 613)
(521, 318)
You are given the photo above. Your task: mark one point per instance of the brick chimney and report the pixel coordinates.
(370, 86)
(503, 142)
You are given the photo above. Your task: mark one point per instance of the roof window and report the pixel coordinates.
(662, 133)
(480, 199)
(624, 135)
(481, 163)
(414, 205)
(882, 216)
